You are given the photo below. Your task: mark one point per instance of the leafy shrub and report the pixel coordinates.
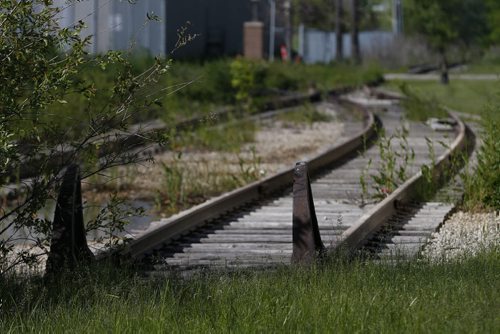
(283, 76)
(243, 79)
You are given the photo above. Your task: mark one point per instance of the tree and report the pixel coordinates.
(317, 14)
(322, 14)
(493, 14)
(41, 66)
(356, 54)
(339, 29)
(328, 15)
(446, 23)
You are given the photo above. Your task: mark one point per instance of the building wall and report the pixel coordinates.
(218, 23)
(118, 25)
(318, 46)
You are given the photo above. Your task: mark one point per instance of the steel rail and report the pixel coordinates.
(355, 236)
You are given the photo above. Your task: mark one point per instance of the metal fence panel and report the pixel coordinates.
(320, 46)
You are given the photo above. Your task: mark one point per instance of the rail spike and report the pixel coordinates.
(307, 244)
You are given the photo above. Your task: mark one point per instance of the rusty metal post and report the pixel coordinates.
(68, 247)
(307, 244)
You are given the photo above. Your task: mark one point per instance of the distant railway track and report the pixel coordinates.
(136, 137)
(252, 226)
(136, 140)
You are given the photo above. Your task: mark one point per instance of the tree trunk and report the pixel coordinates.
(356, 56)
(339, 14)
(444, 69)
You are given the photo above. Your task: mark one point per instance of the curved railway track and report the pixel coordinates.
(252, 226)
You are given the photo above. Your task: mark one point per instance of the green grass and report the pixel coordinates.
(212, 88)
(465, 96)
(482, 68)
(196, 88)
(193, 89)
(482, 186)
(419, 107)
(306, 114)
(228, 137)
(482, 189)
(340, 297)
(184, 183)
(489, 64)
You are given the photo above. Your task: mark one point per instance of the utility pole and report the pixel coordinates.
(339, 41)
(272, 28)
(288, 27)
(356, 55)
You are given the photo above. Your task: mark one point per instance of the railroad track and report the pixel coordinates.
(252, 226)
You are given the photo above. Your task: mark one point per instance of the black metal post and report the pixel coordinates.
(68, 247)
(307, 244)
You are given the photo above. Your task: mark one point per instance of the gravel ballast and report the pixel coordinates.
(464, 235)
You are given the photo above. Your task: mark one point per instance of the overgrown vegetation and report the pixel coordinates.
(51, 109)
(482, 188)
(394, 163)
(482, 185)
(420, 108)
(225, 137)
(350, 297)
(444, 24)
(305, 114)
(466, 96)
(198, 88)
(396, 156)
(186, 183)
(248, 83)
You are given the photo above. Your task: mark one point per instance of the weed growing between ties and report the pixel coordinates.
(350, 297)
(186, 182)
(396, 156)
(481, 184)
(429, 185)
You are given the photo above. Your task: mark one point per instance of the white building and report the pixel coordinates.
(118, 24)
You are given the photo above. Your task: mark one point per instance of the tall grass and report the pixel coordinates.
(340, 297)
(460, 95)
(305, 114)
(185, 183)
(482, 187)
(419, 107)
(228, 137)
